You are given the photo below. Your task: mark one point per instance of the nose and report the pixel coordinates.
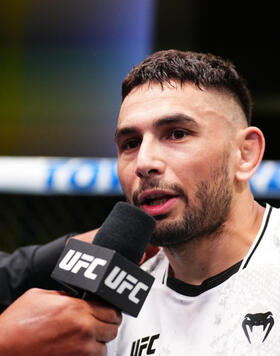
(150, 161)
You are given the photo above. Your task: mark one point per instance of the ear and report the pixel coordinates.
(252, 144)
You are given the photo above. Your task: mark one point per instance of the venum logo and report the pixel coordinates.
(75, 260)
(255, 324)
(120, 280)
(144, 346)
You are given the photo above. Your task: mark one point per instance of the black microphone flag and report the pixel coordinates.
(108, 268)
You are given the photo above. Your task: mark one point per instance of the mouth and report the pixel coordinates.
(157, 202)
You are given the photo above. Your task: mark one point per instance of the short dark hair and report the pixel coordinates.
(202, 69)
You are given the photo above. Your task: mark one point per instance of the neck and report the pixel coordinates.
(202, 258)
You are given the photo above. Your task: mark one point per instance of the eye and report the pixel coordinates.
(129, 144)
(178, 134)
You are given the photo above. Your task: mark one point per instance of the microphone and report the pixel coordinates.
(108, 268)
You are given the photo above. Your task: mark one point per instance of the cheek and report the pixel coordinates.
(185, 167)
(188, 172)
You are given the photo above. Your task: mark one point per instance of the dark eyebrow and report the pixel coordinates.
(124, 132)
(166, 120)
(175, 119)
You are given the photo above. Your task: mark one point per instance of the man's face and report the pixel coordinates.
(174, 153)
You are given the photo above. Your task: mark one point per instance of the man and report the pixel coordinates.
(186, 153)
(48, 322)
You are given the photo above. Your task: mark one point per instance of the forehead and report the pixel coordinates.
(148, 102)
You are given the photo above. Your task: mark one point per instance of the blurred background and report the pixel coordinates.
(61, 67)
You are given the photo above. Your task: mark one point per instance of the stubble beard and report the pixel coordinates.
(204, 218)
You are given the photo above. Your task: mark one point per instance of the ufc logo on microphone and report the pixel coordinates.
(75, 260)
(120, 280)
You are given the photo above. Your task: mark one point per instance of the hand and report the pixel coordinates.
(86, 236)
(51, 323)
(149, 253)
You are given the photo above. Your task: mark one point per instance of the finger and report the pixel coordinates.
(86, 236)
(105, 332)
(104, 312)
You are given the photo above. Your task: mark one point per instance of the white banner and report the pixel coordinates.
(91, 176)
(49, 175)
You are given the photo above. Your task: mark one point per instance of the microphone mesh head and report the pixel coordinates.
(127, 230)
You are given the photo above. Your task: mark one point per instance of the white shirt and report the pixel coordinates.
(234, 313)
